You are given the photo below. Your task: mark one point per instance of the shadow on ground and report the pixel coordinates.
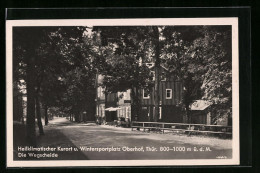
(52, 138)
(64, 133)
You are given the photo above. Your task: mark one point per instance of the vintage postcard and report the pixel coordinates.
(122, 92)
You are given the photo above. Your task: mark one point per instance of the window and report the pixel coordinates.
(163, 77)
(149, 65)
(160, 112)
(101, 92)
(146, 94)
(168, 93)
(153, 74)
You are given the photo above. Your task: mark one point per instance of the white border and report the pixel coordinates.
(124, 22)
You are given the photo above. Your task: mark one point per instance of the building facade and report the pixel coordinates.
(170, 96)
(100, 100)
(124, 105)
(111, 106)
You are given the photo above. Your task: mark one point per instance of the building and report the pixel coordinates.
(124, 105)
(200, 112)
(111, 106)
(100, 99)
(170, 96)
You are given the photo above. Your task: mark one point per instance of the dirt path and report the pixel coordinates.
(112, 143)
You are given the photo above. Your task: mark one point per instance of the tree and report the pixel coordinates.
(197, 55)
(41, 57)
(157, 66)
(75, 74)
(217, 81)
(124, 52)
(25, 49)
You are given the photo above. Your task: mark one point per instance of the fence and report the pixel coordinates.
(183, 127)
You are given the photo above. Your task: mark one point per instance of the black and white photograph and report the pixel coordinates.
(122, 92)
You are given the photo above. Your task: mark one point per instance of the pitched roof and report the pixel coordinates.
(200, 105)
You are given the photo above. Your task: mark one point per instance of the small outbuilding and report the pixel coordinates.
(200, 112)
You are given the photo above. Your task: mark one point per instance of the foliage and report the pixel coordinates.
(124, 51)
(67, 59)
(73, 72)
(63, 70)
(200, 56)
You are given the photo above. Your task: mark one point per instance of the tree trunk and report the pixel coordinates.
(96, 100)
(30, 119)
(77, 116)
(46, 115)
(38, 113)
(106, 112)
(156, 66)
(31, 83)
(188, 113)
(136, 104)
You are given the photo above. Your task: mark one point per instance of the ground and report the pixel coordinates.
(101, 138)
